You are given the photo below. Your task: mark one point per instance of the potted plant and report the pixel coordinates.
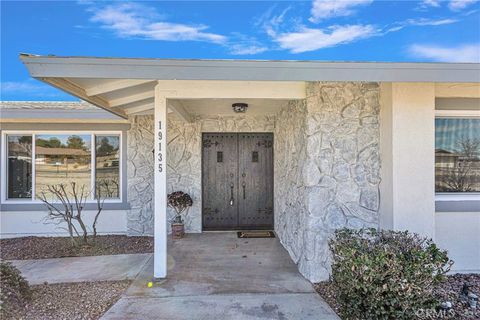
(180, 202)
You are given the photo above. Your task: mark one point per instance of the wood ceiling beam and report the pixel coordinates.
(132, 98)
(191, 89)
(178, 108)
(114, 85)
(79, 92)
(148, 105)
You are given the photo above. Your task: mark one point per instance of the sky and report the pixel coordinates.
(342, 30)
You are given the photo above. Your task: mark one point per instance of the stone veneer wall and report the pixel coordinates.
(327, 169)
(140, 164)
(183, 163)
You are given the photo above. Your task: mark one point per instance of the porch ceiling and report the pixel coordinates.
(127, 86)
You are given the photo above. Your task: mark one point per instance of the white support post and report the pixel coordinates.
(160, 173)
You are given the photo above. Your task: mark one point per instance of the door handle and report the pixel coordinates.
(243, 185)
(231, 195)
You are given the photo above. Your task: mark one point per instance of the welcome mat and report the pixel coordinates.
(256, 234)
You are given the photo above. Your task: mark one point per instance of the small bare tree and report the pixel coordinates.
(66, 206)
(461, 178)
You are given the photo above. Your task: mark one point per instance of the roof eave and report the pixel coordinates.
(43, 67)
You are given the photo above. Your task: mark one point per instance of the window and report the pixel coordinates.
(19, 167)
(457, 155)
(92, 161)
(62, 159)
(107, 166)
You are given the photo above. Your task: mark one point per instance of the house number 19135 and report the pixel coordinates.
(160, 154)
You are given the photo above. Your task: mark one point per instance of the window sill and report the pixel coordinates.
(38, 206)
(457, 196)
(457, 203)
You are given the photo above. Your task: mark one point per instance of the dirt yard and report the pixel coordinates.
(84, 300)
(59, 247)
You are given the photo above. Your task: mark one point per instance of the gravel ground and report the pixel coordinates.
(448, 291)
(84, 300)
(58, 247)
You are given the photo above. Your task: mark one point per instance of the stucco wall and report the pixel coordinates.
(32, 223)
(327, 169)
(408, 157)
(459, 233)
(183, 163)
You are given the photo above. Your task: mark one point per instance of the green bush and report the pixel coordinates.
(385, 274)
(14, 291)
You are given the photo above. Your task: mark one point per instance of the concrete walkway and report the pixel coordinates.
(80, 269)
(218, 276)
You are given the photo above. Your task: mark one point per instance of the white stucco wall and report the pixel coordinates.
(407, 189)
(408, 157)
(459, 233)
(30, 223)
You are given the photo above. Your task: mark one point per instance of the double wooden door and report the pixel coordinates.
(237, 178)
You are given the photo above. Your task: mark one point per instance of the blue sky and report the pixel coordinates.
(348, 30)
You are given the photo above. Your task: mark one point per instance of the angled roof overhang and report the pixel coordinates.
(125, 86)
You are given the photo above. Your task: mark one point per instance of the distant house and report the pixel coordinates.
(299, 147)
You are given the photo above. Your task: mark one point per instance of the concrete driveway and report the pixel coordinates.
(218, 276)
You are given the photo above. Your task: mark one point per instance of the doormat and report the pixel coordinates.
(255, 234)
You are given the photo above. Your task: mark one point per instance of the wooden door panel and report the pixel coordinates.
(220, 176)
(255, 207)
(242, 163)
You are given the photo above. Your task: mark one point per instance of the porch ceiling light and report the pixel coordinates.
(239, 107)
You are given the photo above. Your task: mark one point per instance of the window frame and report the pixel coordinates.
(456, 196)
(34, 133)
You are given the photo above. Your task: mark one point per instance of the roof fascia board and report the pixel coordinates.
(160, 69)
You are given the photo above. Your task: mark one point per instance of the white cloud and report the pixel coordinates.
(429, 22)
(240, 49)
(323, 9)
(457, 5)
(13, 86)
(133, 20)
(29, 87)
(419, 22)
(463, 53)
(307, 39)
(271, 23)
(240, 44)
(431, 3)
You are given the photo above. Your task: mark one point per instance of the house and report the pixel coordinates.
(301, 147)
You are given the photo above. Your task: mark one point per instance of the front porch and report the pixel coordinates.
(343, 133)
(215, 275)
